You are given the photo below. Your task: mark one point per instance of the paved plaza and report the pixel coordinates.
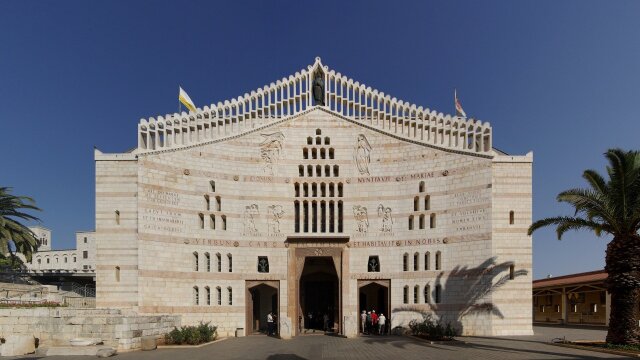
(313, 347)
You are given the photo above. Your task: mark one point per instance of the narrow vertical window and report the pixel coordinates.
(117, 272)
(212, 221)
(296, 188)
(416, 201)
(416, 291)
(219, 295)
(405, 262)
(331, 153)
(305, 190)
(117, 217)
(305, 216)
(318, 170)
(296, 214)
(195, 261)
(323, 153)
(339, 216)
(422, 220)
(410, 222)
(511, 217)
(405, 294)
(331, 189)
(427, 294)
(208, 295)
(230, 260)
(219, 262)
(314, 190)
(212, 184)
(218, 203)
(314, 216)
(196, 296)
(300, 170)
(309, 140)
(438, 294)
(318, 140)
(327, 171)
(207, 259)
(332, 216)
(438, 260)
(207, 202)
(314, 153)
(416, 261)
(427, 260)
(421, 187)
(512, 272)
(327, 141)
(224, 222)
(336, 171)
(201, 217)
(427, 202)
(432, 221)
(323, 190)
(323, 216)
(340, 193)
(230, 291)
(305, 153)
(309, 170)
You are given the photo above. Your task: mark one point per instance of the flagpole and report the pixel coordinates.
(179, 107)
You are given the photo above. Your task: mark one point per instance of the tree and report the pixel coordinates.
(15, 236)
(611, 206)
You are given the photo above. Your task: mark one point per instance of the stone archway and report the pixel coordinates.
(261, 298)
(375, 295)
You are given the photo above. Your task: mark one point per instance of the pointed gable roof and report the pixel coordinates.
(293, 96)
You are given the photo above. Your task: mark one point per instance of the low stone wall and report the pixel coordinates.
(56, 326)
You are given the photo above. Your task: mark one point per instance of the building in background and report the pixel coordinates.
(572, 299)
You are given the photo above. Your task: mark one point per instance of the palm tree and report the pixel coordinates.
(14, 236)
(611, 206)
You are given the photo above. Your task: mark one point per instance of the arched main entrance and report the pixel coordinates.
(262, 298)
(374, 295)
(319, 295)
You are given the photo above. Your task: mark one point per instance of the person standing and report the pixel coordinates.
(363, 320)
(382, 320)
(270, 323)
(368, 327)
(374, 321)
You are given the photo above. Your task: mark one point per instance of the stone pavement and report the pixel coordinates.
(313, 347)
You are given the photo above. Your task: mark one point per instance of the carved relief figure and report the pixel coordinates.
(275, 213)
(250, 213)
(360, 214)
(362, 154)
(271, 150)
(387, 219)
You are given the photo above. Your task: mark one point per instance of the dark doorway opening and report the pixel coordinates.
(263, 299)
(374, 296)
(319, 295)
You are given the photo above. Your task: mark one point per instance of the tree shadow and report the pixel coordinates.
(473, 286)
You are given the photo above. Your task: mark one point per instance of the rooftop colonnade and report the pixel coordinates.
(293, 95)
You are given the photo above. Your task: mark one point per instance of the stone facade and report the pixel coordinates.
(82, 259)
(329, 195)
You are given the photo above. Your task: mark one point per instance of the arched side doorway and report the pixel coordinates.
(261, 298)
(374, 295)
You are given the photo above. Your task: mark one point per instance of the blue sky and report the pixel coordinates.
(559, 78)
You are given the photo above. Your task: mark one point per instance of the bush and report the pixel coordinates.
(431, 329)
(192, 335)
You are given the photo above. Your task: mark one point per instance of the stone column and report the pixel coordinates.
(563, 306)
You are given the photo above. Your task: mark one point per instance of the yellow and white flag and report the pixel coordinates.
(186, 100)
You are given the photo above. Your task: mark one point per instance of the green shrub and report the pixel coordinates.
(192, 335)
(431, 329)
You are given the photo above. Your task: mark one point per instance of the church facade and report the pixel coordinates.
(315, 198)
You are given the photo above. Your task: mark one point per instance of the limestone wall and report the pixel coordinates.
(56, 326)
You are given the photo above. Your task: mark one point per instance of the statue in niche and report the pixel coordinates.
(360, 214)
(318, 88)
(250, 213)
(387, 220)
(263, 264)
(271, 150)
(362, 154)
(373, 265)
(275, 213)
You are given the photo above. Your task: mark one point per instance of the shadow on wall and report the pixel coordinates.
(473, 286)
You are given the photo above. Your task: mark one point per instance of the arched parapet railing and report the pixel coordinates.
(293, 95)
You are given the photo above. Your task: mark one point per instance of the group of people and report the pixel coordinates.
(271, 323)
(373, 323)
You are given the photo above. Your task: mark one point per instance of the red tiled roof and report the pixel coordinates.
(586, 277)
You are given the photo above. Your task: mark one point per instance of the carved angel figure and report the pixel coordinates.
(360, 214)
(275, 214)
(250, 213)
(362, 154)
(387, 219)
(271, 150)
